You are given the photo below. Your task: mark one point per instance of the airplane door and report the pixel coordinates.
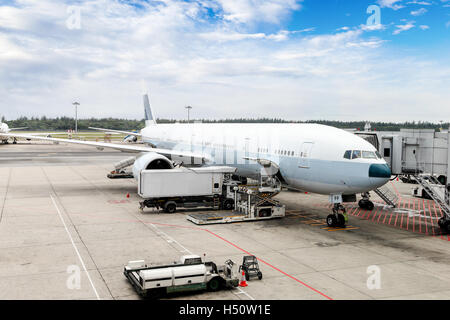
(305, 154)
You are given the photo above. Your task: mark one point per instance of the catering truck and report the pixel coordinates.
(188, 274)
(170, 189)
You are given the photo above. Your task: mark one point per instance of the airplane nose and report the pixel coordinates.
(377, 170)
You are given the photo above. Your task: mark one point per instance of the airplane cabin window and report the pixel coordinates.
(348, 154)
(356, 154)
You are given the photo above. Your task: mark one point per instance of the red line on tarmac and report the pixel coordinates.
(431, 219)
(420, 216)
(396, 191)
(409, 207)
(435, 214)
(390, 218)
(396, 216)
(361, 212)
(425, 219)
(375, 214)
(366, 212)
(379, 216)
(275, 268)
(353, 212)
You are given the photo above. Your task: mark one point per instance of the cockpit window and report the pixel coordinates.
(348, 154)
(356, 154)
(378, 155)
(369, 155)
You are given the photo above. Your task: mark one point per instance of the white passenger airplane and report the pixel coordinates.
(4, 128)
(308, 157)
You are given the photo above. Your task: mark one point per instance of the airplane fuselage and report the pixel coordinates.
(311, 157)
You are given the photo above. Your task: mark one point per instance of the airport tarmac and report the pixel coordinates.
(60, 215)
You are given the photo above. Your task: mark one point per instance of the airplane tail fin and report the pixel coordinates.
(149, 117)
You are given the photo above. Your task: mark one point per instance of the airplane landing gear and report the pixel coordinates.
(15, 141)
(337, 219)
(365, 203)
(444, 224)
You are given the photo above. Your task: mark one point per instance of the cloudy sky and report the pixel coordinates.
(294, 59)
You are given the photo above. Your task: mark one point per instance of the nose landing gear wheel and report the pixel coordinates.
(366, 204)
(331, 220)
(337, 219)
(341, 221)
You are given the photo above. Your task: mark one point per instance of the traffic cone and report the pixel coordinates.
(397, 178)
(243, 283)
(128, 195)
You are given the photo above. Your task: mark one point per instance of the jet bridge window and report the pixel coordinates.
(348, 154)
(356, 154)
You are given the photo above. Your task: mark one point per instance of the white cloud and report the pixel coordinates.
(419, 12)
(247, 11)
(424, 27)
(393, 4)
(422, 3)
(403, 27)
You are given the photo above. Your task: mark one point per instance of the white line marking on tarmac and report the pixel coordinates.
(169, 239)
(75, 247)
(243, 292)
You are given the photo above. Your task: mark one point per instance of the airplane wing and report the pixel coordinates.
(121, 147)
(21, 128)
(118, 131)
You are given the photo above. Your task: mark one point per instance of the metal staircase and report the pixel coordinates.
(387, 195)
(427, 183)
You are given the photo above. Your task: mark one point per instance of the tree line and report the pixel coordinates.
(66, 123)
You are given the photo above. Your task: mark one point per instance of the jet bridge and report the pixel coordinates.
(420, 156)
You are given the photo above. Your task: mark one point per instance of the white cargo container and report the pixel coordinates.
(182, 182)
(188, 187)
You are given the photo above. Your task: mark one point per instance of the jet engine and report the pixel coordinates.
(150, 160)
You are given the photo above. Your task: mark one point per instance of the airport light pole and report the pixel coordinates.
(76, 104)
(188, 110)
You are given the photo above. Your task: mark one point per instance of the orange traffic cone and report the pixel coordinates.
(128, 195)
(243, 283)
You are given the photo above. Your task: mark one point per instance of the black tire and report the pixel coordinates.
(171, 208)
(228, 204)
(340, 221)
(425, 195)
(444, 224)
(247, 276)
(259, 275)
(362, 204)
(214, 284)
(331, 220)
(369, 205)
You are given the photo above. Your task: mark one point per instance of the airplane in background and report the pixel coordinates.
(308, 157)
(131, 136)
(4, 128)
